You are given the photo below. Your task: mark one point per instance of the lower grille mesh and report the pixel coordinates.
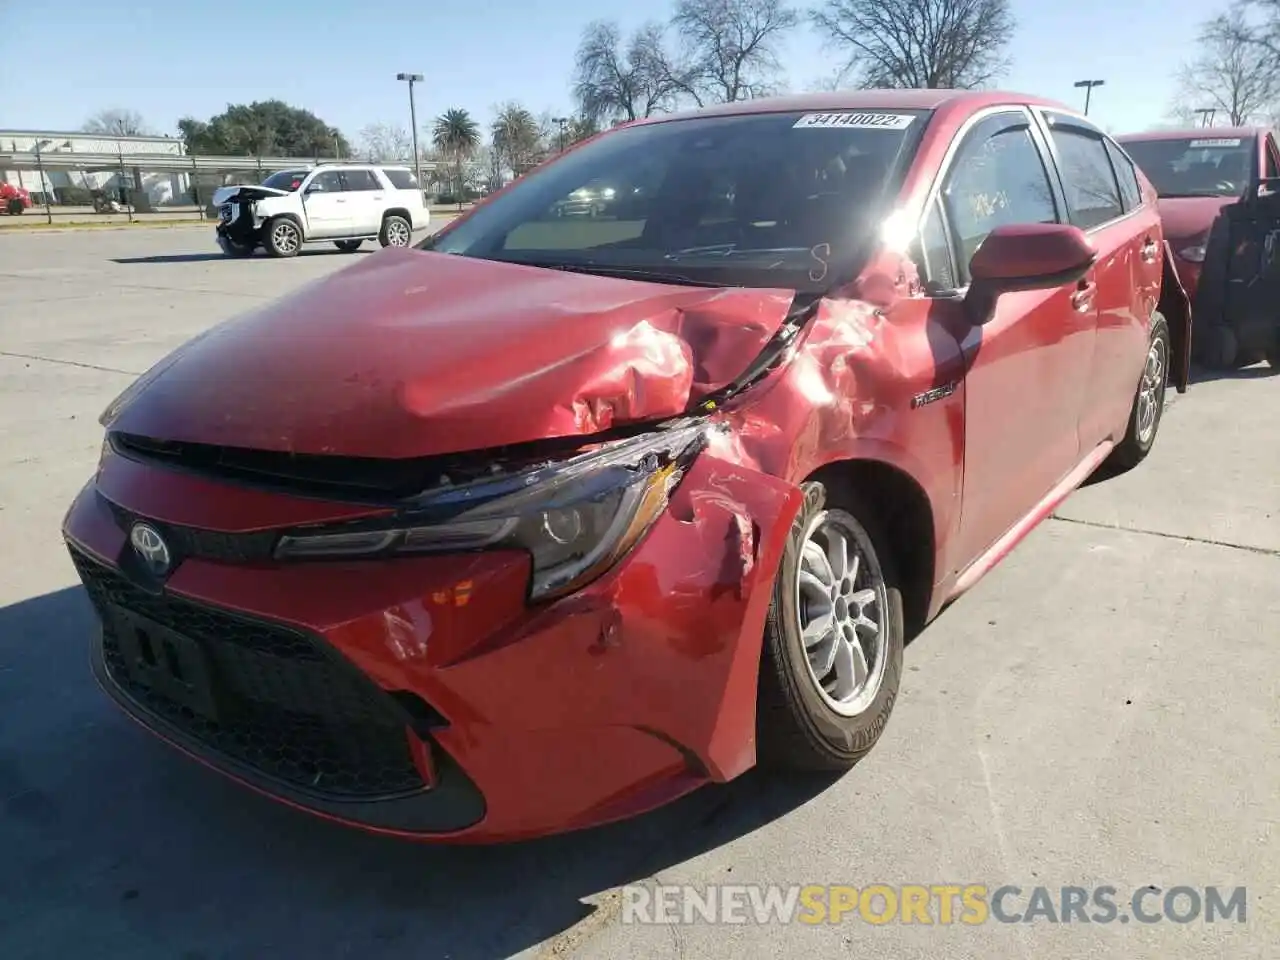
(284, 706)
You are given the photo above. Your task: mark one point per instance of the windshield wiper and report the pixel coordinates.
(622, 273)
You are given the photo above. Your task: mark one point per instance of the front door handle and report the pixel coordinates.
(1082, 299)
(1150, 249)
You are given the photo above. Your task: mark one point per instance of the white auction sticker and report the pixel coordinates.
(1198, 144)
(855, 121)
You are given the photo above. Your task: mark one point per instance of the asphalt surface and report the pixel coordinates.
(1103, 709)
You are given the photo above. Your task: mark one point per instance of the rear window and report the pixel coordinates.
(773, 200)
(401, 179)
(1196, 166)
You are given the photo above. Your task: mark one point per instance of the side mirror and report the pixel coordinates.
(1030, 256)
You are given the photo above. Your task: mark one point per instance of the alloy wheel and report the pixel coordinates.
(840, 606)
(1151, 390)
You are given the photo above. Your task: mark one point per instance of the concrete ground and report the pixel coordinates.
(1103, 709)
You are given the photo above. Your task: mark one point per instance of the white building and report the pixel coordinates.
(89, 161)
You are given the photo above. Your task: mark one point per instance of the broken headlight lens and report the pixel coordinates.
(576, 518)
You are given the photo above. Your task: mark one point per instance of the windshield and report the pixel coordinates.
(286, 180)
(763, 200)
(1200, 167)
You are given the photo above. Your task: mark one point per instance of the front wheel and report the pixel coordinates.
(833, 643)
(1148, 402)
(235, 250)
(15, 207)
(395, 232)
(283, 237)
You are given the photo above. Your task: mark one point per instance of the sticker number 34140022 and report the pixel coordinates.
(855, 121)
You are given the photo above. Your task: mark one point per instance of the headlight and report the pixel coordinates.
(1192, 254)
(575, 518)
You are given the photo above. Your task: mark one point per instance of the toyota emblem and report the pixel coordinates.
(151, 548)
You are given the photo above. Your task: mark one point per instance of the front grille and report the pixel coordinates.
(285, 706)
(193, 542)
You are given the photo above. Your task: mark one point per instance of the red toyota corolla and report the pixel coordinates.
(554, 519)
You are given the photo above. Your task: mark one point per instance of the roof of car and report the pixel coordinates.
(869, 100)
(1191, 133)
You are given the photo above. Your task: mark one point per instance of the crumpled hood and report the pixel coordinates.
(248, 191)
(1189, 218)
(412, 353)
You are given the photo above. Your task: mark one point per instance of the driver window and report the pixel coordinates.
(330, 181)
(998, 178)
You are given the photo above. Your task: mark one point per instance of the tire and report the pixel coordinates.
(15, 207)
(1148, 401)
(396, 231)
(348, 246)
(282, 237)
(798, 725)
(237, 251)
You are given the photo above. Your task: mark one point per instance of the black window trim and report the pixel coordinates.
(1079, 125)
(1039, 137)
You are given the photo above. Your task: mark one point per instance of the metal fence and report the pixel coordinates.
(134, 186)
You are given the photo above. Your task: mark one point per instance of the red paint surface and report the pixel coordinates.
(642, 685)
(411, 354)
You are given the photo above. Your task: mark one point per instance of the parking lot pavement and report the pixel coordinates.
(1104, 709)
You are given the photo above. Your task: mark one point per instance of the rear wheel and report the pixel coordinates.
(283, 237)
(1223, 349)
(348, 246)
(395, 232)
(1148, 402)
(832, 659)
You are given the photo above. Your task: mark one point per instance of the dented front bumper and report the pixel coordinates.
(517, 720)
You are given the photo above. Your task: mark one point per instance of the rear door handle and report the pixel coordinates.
(1150, 249)
(1082, 299)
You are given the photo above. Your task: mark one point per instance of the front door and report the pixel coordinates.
(327, 206)
(1028, 366)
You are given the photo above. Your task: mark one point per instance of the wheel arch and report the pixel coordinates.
(402, 212)
(897, 504)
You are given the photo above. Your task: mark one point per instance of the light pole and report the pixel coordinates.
(560, 122)
(413, 78)
(1088, 91)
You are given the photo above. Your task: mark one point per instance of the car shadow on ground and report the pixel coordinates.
(215, 255)
(115, 845)
(1257, 371)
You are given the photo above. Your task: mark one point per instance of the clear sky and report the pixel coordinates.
(339, 59)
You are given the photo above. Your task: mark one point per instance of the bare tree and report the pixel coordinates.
(730, 47)
(612, 85)
(919, 43)
(381, 142)
(118, 123)
(1235, 74)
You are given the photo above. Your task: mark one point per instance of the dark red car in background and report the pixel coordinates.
(1218, 190)
(554, 519)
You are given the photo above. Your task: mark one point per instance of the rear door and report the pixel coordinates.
(366, 199)
(1105, 202)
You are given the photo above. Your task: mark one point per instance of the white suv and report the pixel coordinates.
(345, 204)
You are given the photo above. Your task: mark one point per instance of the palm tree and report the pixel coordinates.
(456, 135)
(517, 138)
